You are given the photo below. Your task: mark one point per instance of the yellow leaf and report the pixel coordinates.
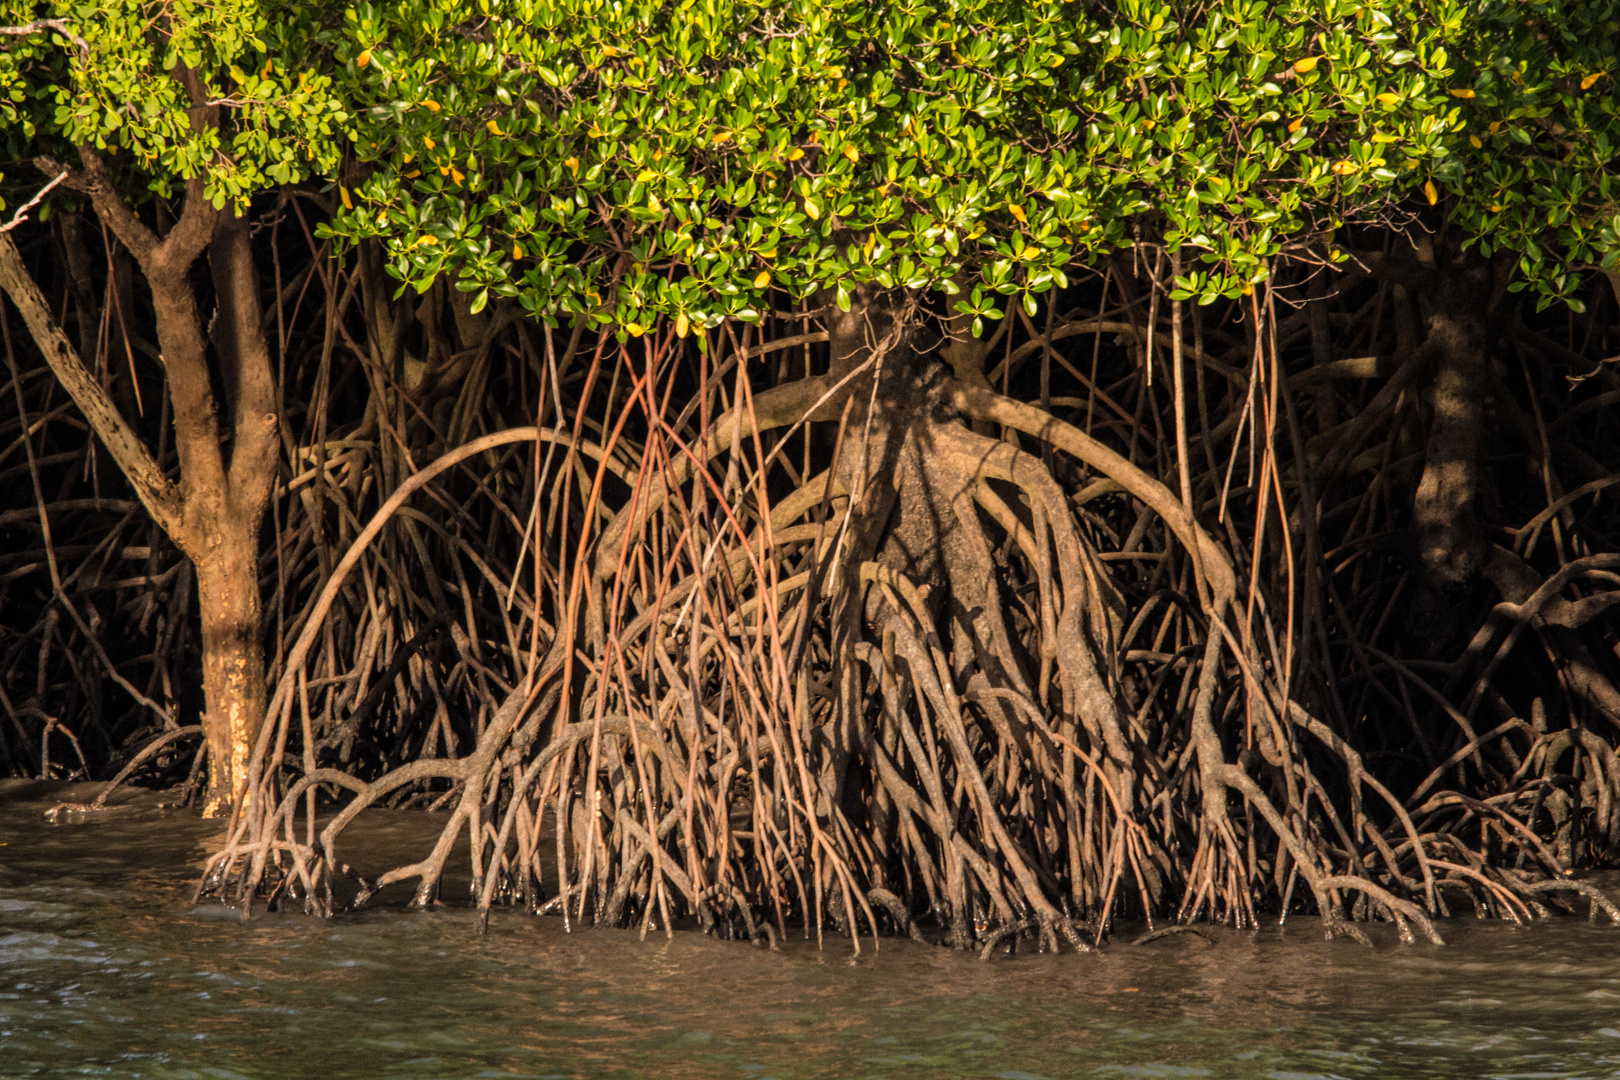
(270, 67)
(1029, 252)
(634, 329)
(494, 128)
(1344, 168)
(1431, 192)
(430, 241)
(1018, 212)
(609, 51)
(768, 253)
(363, 59)
(1588, 82)
(795, 154)
(763, 279)
(429, 143)
(406, 160)
(850, 152)
(871, 242)
(1496, 125)
(595, 132)
(721, 137)
(1296, 125)
(456, 175)
(1473, 140)
(1462, 92)
(444, 170)
(682, 325)
(343, 193)
(430, 105)
(517, 251)
(812, 209)
(1388, 98)
(1383, 137)
(413, 174)
(1248, 289)
(1306, 64)
(572, 164)
(654, 205)
(813, 139)
(645, 175)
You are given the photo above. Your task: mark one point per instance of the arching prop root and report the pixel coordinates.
(829, 650)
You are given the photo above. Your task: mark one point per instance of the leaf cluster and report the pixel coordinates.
(171, 91)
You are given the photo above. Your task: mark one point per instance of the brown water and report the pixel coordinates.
(105, 970)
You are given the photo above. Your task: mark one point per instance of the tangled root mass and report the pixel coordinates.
(851, 622)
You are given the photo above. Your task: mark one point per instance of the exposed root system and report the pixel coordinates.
(851, 623)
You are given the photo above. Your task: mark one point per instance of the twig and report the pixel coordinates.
(59, 25)
(22, 211)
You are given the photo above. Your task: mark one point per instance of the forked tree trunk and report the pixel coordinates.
(215, 512)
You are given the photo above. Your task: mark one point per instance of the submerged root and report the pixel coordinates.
(1170, 931)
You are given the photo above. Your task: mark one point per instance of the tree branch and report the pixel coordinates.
(156, 492)
(244, 365)
(22, 211)
(59, 25)
(94, 182)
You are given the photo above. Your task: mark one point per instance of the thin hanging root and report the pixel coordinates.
(1091, 708)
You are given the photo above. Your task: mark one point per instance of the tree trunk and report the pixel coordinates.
(1450, 542)
(233, 663)
(214, 514)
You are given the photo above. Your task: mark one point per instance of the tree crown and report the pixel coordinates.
(166, 93)
(682, 157)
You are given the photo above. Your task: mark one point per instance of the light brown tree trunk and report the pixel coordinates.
(214, 514)
(233, 666)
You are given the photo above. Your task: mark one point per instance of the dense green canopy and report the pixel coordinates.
(684, 158)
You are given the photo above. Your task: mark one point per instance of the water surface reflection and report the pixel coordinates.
(106, 971)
